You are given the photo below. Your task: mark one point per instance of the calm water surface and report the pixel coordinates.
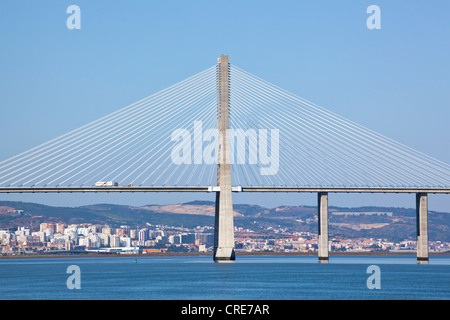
(249, 277)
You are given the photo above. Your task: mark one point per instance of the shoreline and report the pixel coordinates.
(187, 254)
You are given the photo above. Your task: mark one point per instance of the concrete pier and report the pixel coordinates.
(323, 226)
(422, 227)
(224, 225)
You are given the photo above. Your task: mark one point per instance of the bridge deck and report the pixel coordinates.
(216, 189)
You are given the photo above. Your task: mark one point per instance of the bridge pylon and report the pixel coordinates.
(224, 225)
(322, 242)
(422, 227)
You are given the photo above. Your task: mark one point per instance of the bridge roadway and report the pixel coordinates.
(67, 189)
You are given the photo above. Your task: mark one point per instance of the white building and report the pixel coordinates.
(125, 241)
(40, 234)
(104, 239)
(84, 241)
(114, 241)
(83, 231)
(95, 240)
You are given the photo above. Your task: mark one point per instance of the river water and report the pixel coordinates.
(248, 278)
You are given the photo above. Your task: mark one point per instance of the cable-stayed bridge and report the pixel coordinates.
(225, 130)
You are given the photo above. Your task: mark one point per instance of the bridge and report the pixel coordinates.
(225, 130)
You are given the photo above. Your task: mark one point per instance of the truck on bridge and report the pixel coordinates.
(103, 184)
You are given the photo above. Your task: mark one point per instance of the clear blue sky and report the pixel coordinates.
(394, 81)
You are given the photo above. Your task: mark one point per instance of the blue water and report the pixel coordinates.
(249, 277)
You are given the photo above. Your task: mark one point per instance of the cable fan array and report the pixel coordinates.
(130, 146)
(303, 145)
(318, 148)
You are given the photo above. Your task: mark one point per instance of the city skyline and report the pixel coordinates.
(62, 238)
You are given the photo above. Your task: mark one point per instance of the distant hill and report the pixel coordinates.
(369, 222)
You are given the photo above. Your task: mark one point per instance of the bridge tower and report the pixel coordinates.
(224, 226)
(422, 227)
(322, 242)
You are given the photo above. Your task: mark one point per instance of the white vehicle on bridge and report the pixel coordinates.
(103, 184)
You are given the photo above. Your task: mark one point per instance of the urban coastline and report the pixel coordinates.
(55, 240)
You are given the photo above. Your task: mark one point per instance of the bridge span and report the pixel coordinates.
(210, 133)
(119, 189)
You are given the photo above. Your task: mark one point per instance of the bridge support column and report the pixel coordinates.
(224, 226)
(422, 227)
(323, 226)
